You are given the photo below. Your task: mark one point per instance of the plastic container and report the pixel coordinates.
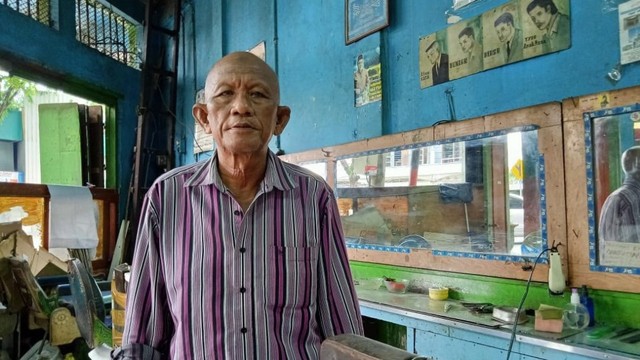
(575, 315)
(438, 293)
(398, 286)
(588, 303)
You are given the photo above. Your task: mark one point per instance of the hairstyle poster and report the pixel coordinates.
(515, 31)
(465, 48)
(367, 79)
(433, 59)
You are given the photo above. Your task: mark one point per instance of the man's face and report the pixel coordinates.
(241, 108)
(432, 54)
(466, 43)
(504, 31)
(541, 17)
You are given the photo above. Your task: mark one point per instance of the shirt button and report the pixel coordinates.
(243, 330)
(237, 212)
(242, 250)
(243, 289)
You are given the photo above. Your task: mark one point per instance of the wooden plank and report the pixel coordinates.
(424, 259)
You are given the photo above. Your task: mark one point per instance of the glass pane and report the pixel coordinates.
(474, 194)
(613, 177)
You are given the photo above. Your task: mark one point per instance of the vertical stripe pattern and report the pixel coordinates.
(212, 282)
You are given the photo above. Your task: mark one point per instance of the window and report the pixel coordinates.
(103, 29)
(35, 9)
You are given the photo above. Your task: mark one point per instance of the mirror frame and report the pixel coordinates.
(548, 119)
(593, 221)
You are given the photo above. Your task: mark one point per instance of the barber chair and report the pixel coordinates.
(356, 347)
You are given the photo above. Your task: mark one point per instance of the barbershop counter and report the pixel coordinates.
(448, 330)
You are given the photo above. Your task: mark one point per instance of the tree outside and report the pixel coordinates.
(13, 91)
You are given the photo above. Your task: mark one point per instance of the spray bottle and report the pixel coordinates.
(575, 315)
(588, 303)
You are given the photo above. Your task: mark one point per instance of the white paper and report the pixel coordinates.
(457, 4)
(72, 218)
(629, 21)
(102, 352)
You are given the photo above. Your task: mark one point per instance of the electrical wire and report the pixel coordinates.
(526, 291)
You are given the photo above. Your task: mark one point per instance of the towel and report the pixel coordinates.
(72, 218)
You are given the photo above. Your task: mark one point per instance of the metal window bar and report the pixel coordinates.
(101, 28)
(38, 10)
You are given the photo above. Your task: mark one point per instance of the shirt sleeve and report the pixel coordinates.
(616, 221)
(147, 327)
(338, 308)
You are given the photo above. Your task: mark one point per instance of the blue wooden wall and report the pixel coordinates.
(305, 43)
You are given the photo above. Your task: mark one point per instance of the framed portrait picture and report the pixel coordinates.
(364, 17)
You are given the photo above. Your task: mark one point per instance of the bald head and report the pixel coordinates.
(631, 161)
(242, 63)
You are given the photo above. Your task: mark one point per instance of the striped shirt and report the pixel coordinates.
(620, 217)
(210, 281)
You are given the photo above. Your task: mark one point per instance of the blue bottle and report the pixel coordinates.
(588, 303)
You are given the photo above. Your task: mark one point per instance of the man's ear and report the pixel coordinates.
(282, 118)
(199, 112)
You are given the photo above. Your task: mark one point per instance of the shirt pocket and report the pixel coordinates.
(292, 274)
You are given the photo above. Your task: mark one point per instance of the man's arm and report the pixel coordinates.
(338, 308)
(146, 313)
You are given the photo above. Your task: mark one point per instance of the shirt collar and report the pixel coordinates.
(276, 175)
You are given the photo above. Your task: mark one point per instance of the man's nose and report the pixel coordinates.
(242, 105)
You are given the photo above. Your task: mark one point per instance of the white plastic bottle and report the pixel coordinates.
(576, 315)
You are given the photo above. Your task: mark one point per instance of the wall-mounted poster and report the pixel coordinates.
(515, 31)
(503, 37)
(367, 79)
(629, 14)
(546, 26)
(433, 59)
(465, 50)
(364, 17)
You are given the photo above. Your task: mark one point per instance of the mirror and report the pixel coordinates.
(317, 167)
(474, 196)
(612, 139)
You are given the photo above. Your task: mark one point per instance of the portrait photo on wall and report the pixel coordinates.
(367, 80)
(433, 59)
(364, 17)
(465, 50)
(503, 35)
(515, 31)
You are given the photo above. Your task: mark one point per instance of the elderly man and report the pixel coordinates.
(241, 256)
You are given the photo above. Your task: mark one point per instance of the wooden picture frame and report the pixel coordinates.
(364, 17)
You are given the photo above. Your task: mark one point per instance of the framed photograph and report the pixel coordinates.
(364, 17)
